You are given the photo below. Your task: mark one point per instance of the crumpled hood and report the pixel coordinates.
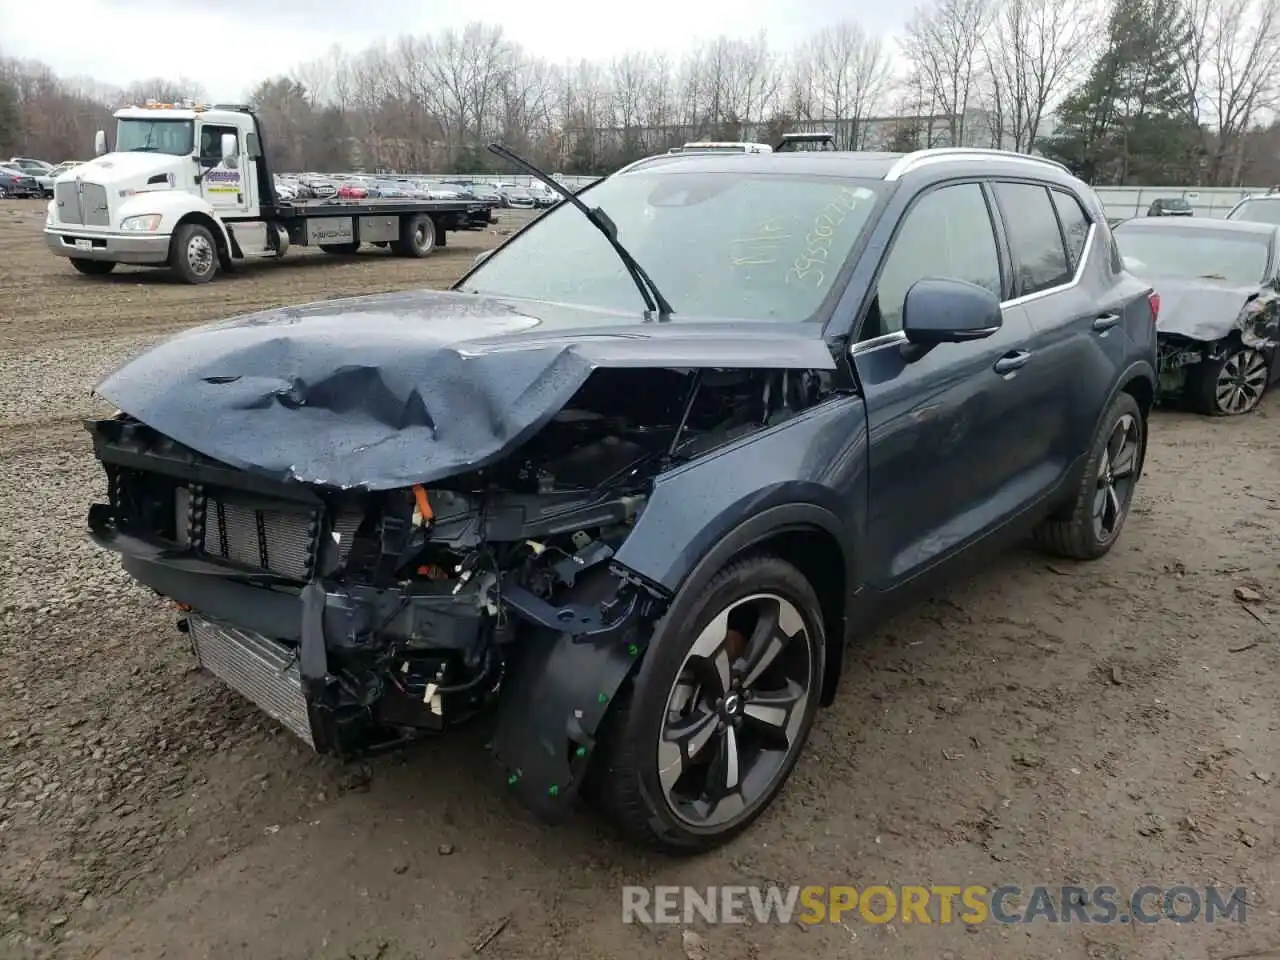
(1205, 310)
(386, 391)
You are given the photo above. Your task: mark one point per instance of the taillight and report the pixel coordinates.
(1154, 299)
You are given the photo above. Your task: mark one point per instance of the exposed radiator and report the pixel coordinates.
(256, 667)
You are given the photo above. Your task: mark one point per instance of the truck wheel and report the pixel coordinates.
(1106, 489)
(417, 236)
(93, 268)
(194, 254)
(717, 716)
(340, 249)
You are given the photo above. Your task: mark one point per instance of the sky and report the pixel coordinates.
(229, 45)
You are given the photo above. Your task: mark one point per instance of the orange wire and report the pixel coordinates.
(424, 505)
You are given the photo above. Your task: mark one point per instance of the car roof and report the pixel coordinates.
(1204, 224)
(926, 164)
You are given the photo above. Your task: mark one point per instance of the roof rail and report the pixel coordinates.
(939, 154)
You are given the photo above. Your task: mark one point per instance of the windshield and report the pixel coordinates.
(176, 137)
(1206, 254)
(1258, 211)
(718, 245)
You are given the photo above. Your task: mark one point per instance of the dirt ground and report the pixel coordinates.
(1039, 723)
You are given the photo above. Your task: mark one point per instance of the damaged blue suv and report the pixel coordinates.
(628, 488)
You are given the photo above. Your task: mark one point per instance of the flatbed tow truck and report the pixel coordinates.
(188, 187)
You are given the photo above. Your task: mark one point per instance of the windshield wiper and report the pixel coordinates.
(654, 301)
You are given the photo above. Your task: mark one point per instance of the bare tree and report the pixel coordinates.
(851, 74)
(1037, 49)
(942, 42)
(1244, 66)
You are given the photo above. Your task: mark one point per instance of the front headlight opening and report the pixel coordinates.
(145, 223)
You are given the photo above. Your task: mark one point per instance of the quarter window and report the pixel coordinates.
(1035, 240)
(947, 234)
(1075, 225)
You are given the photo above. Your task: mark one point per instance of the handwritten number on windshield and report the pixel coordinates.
(817, 250)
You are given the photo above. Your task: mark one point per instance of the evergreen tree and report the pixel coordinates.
(1128, 121)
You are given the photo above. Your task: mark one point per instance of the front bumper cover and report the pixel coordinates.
(146, 249)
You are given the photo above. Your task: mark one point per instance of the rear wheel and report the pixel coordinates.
(93, 268)
(193, 255)
(716, 718)
(1106, 489)
(341, 249)
(417, 236)
(1231, 385)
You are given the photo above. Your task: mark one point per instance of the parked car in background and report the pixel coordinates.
(543, 196)
(64, 166)
(30, 165)
(18, 183)
(353, 190)
(1170, 207)
(518, 198)
(644, 544)
(1262, 209)
(1219, 287)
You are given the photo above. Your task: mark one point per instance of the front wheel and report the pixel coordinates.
(715, 720)
(1106, 489)
(93, 268)
(1231, 385)
(193, 255)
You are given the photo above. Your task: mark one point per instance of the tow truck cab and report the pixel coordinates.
(188, 186)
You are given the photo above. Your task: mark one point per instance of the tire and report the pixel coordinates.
(4, 195)
(634, 780)
(340, 249)
(193, 254)
(417, 236)
(93, 268)
(1230, 386)
(1079, 536)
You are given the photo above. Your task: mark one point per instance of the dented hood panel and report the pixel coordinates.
(1203, 309)
(386, 391)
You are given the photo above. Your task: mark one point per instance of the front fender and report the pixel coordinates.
(173, 206)
(808, 471)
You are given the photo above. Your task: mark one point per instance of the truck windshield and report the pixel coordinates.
(155, 136)
(719, 245)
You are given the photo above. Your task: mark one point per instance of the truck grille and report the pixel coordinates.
(82, 203)
(282, 539)
(94, 199)
(257, 668)
(67, 202)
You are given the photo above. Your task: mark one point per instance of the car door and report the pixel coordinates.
(1078, 308)
(223, 186)
(947, 462)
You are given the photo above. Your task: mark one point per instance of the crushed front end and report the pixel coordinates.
(361, 619)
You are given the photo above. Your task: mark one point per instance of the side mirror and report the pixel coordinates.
(229, 147)
(949, 311)
(100, 143)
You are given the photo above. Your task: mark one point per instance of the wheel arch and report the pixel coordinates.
(220, 238)
(810, 538)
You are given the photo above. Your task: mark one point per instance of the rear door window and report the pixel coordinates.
(1040, 260)
(1075, 225)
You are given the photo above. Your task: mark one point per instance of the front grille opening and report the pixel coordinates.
(253, 535)
(142, 503)
(282, 538)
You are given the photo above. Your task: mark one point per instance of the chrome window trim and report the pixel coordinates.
(875, 343)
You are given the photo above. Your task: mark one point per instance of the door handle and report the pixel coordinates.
(1106, 322)
(1012, 361)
